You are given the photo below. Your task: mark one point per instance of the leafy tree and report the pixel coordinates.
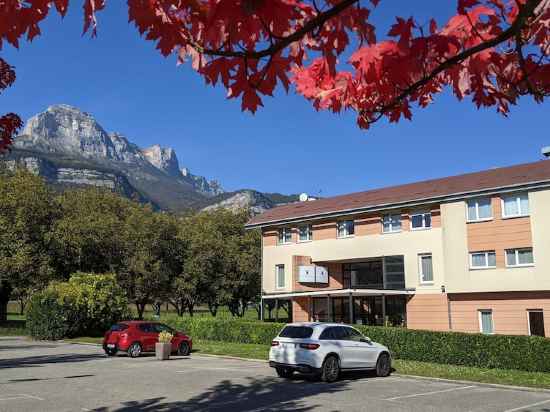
(203, 260)
(150, 256)
(88, 236)
(220, 263)
(493, 51)
(27, 210)
(243, 262)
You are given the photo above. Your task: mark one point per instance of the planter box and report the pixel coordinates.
(162, 350)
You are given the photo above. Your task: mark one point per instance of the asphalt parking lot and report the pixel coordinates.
(36, 376)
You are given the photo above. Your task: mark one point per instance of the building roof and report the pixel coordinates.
(419, 192)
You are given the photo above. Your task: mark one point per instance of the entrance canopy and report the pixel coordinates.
(342, 292)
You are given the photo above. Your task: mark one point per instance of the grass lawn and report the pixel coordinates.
(404, 367)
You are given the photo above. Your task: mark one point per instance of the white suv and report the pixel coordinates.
(325, 349)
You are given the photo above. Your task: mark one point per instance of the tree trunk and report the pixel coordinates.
(5, 293)
(22, 305)
(140, 309)
(213, 308)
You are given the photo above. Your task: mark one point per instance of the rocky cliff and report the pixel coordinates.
(70, 148)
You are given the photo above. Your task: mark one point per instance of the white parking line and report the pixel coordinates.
(429, 393)
(21, 396)
(528, 406)
(202, 368)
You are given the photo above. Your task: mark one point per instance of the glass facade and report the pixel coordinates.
(381, 273)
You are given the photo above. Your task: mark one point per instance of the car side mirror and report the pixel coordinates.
(366, 340)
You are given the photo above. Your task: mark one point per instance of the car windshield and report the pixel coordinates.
(296, 332)
(119, 327)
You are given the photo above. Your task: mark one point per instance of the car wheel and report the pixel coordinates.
(134, 350)
(183, 349)
(383, 365)
(110, 351)
(284, 372)
(330, 371)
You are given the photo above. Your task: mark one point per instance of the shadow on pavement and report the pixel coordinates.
(257, 394)
(35, 361)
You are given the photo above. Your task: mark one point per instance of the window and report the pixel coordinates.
(160, 327)
(391, 223)
(483, 260)
(285, 235)
(305, 233)
(119, 327)
(353, 335)
(280, 275)
(425, 268)
(515, 205)
(486, 321)
(519, 257)
(421, 221)
(479, 210)
(346, 228)
(296, 332)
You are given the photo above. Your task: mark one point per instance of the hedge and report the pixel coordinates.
(528, 353)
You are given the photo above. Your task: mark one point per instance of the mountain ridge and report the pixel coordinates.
(68, 147)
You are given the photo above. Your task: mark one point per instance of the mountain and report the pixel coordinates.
(69, 148)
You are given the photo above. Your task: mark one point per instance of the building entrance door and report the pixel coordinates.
(536, 322)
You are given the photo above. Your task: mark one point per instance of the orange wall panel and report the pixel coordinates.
(324, 230)
(270, 238)
(335, 276)
(368, 225)
(428, 311)
(509, 311)
(499, 234)
(300, 309)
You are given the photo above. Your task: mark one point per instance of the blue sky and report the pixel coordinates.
(287, 146)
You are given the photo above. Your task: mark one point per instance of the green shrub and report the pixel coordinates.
(86, 305)
(528, 353)
(46, 316)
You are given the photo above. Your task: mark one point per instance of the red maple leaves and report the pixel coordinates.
(492, 50)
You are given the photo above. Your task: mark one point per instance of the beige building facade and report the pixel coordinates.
(467, 253)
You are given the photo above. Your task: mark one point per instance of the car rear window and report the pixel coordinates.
(296, 332)
(119, 327)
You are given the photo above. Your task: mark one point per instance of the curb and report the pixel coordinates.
(491, 385)
(79, 343)
(230, 357)
(196, 354)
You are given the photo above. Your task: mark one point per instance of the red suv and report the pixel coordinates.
(135, 337)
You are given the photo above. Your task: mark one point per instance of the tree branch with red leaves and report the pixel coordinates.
(493, 51)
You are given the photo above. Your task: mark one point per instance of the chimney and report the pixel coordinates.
(546, 151)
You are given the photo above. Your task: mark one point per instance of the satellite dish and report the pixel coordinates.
(304, 197)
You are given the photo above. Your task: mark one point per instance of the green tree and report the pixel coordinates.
(89, 235)
(27, 211)
(243, 256)
(150, 256)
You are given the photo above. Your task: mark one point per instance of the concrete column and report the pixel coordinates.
(383, 310)
(262, 309)
(329, 309)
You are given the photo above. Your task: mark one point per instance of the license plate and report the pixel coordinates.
(111, 345)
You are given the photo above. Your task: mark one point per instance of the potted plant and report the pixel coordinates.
(164, 346)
